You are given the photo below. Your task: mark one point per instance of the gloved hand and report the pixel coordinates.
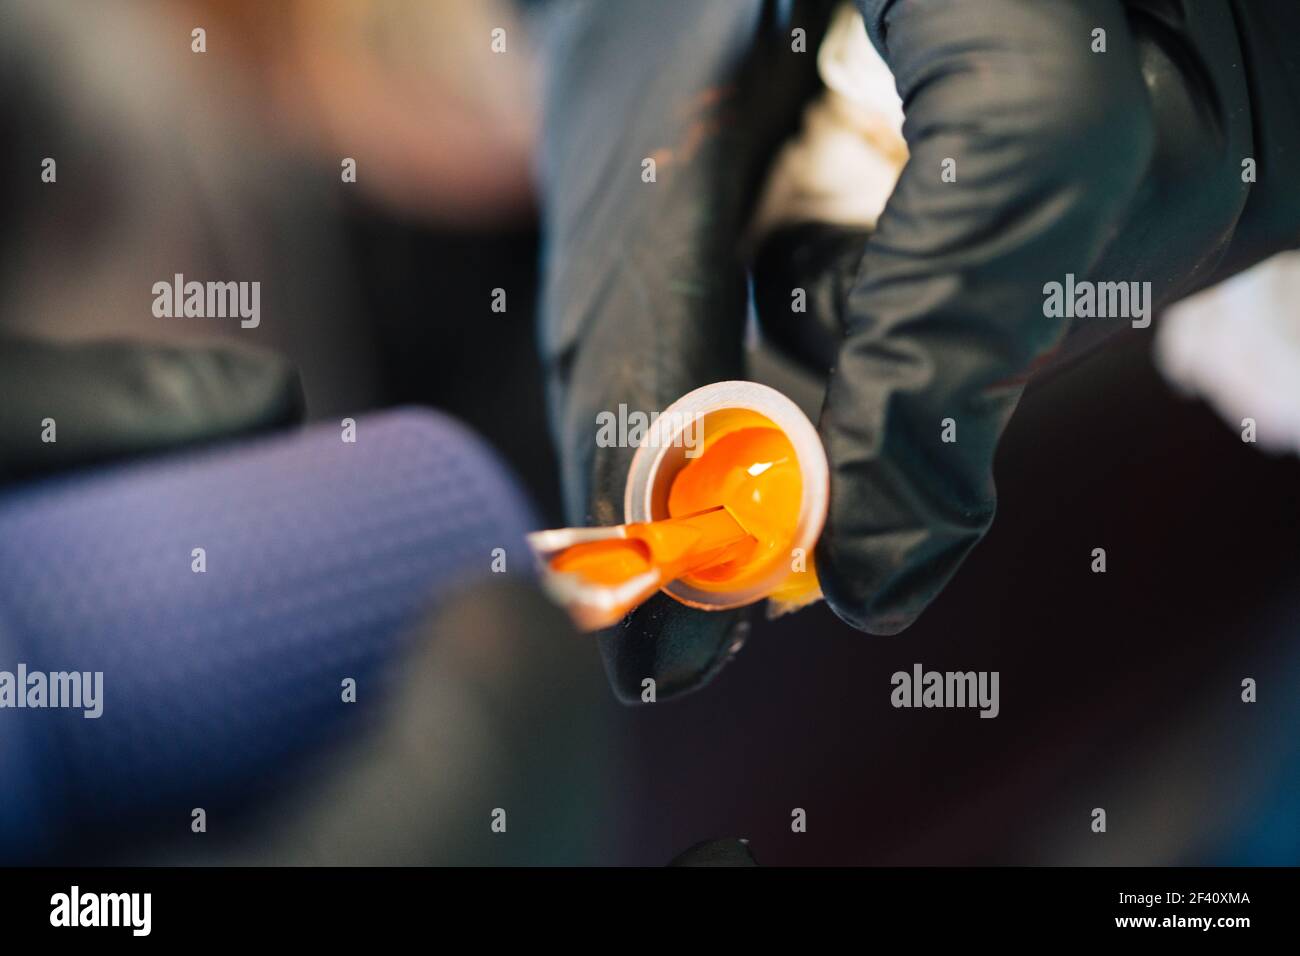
(116, 399)
(1120, 166)
(645, 293)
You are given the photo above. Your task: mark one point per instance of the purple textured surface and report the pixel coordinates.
(319, 554)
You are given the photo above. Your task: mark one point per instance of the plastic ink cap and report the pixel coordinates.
(745, 447)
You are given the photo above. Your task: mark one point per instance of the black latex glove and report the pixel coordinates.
(116, 399)
(1117, 166)
(645, 293)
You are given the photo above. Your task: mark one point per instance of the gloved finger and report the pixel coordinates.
(660, 119)
(67, 405)
(946, 315)
(677, 647)
(645, 294)
(820, 262)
